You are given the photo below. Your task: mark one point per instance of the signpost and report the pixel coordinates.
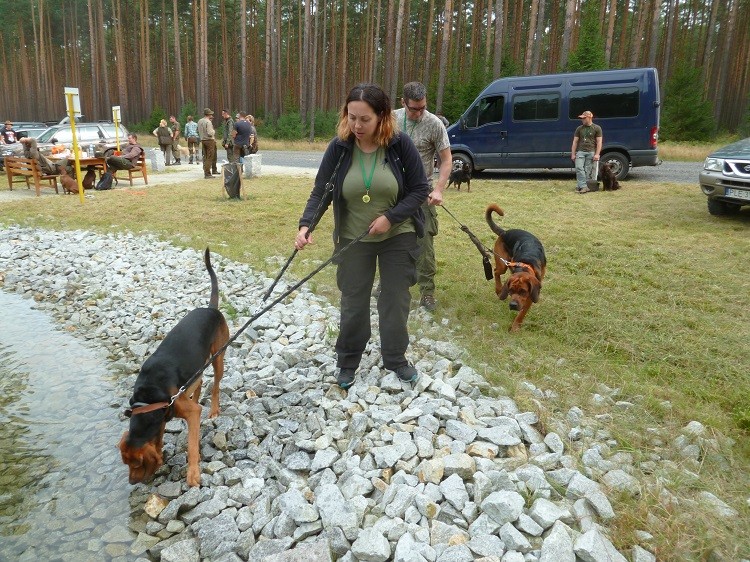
(116, 119)
(73, 104)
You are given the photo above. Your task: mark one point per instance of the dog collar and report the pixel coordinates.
(143, 408)
(524, 266)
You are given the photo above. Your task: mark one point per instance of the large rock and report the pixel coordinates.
(504, 506)
(592, 546)
(371, 546)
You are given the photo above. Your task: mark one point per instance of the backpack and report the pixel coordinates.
(105, 182)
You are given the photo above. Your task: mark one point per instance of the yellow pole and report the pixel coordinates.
(115, 118)
(72, 117)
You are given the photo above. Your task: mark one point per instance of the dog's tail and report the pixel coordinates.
(493, 207)
(214, 302)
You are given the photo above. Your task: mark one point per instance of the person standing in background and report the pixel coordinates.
(8, 133)
(587, 145)
(174, 126)
(207, 134)
(241, 137)
(164, 137)
(431, 139)
(226, 140)
(191, 135)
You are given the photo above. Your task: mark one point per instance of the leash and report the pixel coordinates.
(486, 253)
(142, 408)
(316, 217)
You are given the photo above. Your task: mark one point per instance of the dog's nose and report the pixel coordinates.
(513, 305)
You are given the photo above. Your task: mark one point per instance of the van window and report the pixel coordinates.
(605, 102)
(536, 107)
(486, 110)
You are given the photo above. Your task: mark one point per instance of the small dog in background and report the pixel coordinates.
(90, 178)
(69, 183)
(184, 152)
(460, 174)
(609, 180)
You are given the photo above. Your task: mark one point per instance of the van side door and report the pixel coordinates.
(538, 137)
(483, 130)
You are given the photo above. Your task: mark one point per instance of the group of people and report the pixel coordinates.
(238, 140)
(168, 136)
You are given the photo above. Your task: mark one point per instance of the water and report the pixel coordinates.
(64, 493)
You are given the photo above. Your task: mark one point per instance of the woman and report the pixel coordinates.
(164, 135)
(378, 189)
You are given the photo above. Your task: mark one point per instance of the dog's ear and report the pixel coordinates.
(504, 291)
(536, 286)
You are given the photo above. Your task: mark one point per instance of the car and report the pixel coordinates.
(32, 132)
(99, 136)
(725, 178)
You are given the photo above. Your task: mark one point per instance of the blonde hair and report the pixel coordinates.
(374, 96)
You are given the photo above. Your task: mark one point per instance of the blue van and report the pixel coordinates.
(529, 121)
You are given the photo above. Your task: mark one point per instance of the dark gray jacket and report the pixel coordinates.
(406, 165)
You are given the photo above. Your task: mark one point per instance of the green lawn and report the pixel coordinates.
(645, 292)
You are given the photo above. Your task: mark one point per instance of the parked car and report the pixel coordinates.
(102, 136)
(725, 178)
(33, 132)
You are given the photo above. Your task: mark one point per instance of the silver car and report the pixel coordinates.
(102, 137)
(725, 178)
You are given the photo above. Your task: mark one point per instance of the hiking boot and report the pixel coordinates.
(428, 303)
(407, 373)
(345, 377)
(178, 162)
(191, 161)
(207, 177)
(582, 189)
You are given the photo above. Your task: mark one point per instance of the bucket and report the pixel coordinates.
(593, 185)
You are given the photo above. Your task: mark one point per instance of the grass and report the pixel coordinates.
(692, 151)
(645, 292)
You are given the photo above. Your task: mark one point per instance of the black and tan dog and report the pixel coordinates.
(522, 253)
(459, 174)
(184, 351)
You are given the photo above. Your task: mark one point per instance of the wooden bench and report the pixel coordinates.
(27, 170)
(138, 171)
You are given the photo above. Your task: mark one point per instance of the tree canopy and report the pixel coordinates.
(274, 57)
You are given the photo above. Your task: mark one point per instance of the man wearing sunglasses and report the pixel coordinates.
(431, 139)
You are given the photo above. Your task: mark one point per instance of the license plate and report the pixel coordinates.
(737, 193)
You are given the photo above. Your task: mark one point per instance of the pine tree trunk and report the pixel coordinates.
(443, 65)
(498, 44)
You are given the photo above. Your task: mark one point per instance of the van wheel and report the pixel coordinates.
(463, 159)
(618, 163)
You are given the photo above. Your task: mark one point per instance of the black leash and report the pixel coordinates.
(261, 312)
(486, 253)
(313, 224)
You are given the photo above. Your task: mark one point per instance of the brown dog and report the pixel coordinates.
(522, 253)
(178, 358)
(609, 179)
(69, 183)
(89, 178)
